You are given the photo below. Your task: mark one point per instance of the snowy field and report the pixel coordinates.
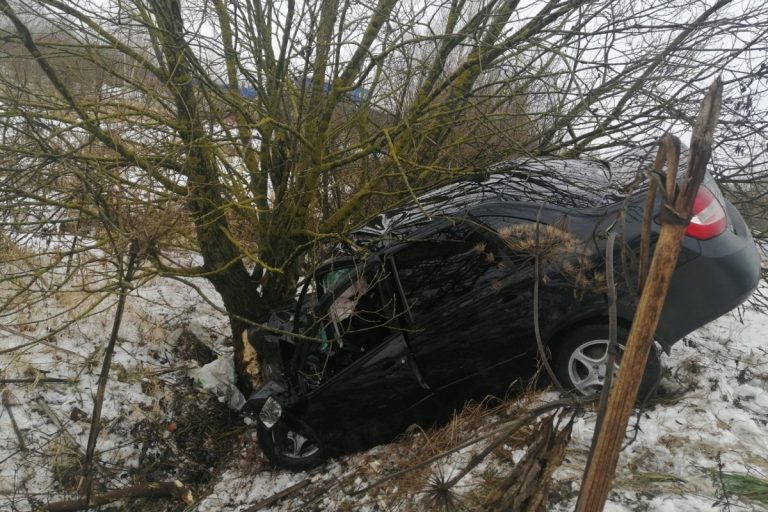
(695, 449)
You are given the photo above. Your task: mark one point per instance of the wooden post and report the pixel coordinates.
(676, 212)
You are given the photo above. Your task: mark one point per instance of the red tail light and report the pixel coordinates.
(709, 218)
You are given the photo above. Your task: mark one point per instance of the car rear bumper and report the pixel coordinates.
(724, 275)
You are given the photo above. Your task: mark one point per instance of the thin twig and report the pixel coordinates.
(42, 380)
(31, 340)
(125, 277)
(536, 323)
(271, 500)
(478, 458)
(645, 230)
(46, 409)
(723, 498)
(7, 404)
(611, 349)
(150, 490)
(505, 430)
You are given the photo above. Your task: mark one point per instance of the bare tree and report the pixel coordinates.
(238, 141)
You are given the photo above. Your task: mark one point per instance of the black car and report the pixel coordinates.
(432, 304)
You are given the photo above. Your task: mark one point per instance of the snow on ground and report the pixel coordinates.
(52, 418)
(710, 421)
(711, 418)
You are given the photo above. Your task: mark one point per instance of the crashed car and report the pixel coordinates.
(433, 304)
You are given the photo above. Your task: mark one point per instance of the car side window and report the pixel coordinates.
(361, 309)
(444, 269)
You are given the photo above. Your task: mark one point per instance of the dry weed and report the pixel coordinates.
(435, 480)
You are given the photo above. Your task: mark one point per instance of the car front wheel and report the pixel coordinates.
(289, 449)
(580, 361)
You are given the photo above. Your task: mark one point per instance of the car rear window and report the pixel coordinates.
(438, 271)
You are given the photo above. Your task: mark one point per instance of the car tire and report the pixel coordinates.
(289, 449)
(579, 361)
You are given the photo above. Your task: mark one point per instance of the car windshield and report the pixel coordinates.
(327, 280)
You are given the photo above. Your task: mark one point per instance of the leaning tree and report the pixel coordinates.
(238, 141)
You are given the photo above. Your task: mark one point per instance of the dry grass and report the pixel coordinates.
(558, 250)
(433, 480)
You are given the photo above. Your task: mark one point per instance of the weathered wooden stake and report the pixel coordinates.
(676, 212)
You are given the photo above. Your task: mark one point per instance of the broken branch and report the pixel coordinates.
(7, 404)
(169, 489)
(271, 500)
(32, 380)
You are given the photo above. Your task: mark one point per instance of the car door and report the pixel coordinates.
(464, 302)
(572, 276)
(373, 382)
(370, 401)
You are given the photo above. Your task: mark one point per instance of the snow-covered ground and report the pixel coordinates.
(710, 422)
(39, 459)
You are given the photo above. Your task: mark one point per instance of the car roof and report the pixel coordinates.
(567, 183)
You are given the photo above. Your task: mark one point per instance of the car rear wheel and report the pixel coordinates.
(289, 449)
(580, 361)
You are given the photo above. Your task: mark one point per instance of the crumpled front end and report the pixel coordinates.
(272, 342)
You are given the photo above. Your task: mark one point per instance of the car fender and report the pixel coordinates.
(594, 313)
